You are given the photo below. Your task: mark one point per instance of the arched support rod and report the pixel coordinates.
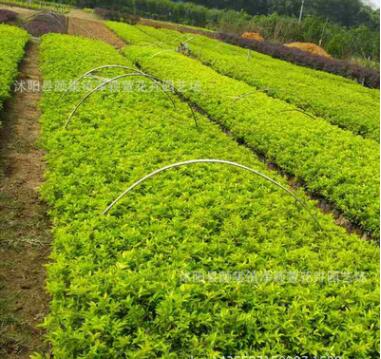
(105, 83)
(161, 52)
(136, 72)
(301, 111)
(245, 95)
(176, 91)
(233, 164)
(188, 38)
(98, 69)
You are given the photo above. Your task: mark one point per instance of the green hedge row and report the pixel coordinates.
(151, 280)
(333, 163)
(38, 5)
(340, 101)
(12, 44)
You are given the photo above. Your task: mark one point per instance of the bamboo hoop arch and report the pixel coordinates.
(105, 83)
(188, 38)
(209, 161)
(304, 112)
(96, 69)
(247, 94)
(156, 41)
(161, 52)
(136, 73)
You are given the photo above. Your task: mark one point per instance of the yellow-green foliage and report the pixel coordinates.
(123, 285)
(340, 101)
(311, 149)
(12, 44)
(39, 5)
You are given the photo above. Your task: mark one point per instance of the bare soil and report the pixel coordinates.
(81, 14)
(24, 225)
(178, 27)
(95, 30)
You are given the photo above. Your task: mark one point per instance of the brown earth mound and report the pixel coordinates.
(310, 48)
(7, 16)
(252, 36)
(45, 23)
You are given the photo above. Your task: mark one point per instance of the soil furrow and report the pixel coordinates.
(24, 225)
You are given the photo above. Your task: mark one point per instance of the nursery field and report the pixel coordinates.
(205, 201)
(124, 282)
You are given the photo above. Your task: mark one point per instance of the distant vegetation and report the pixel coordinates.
(38, 5)
(344, 28)
(343, 12)
(359, 69)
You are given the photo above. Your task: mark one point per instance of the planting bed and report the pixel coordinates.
(365, 76)
(12, 44)
(124, 284)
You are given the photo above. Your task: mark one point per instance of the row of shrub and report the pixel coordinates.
(151, 279)
(38, 5)
(46, 22)
(364, 73)
(310, 149)
(340, 101)
(367, 76)
(12, 44)
(108, 14)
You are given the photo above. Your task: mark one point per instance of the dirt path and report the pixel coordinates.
(24, 226)
(81, 14)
